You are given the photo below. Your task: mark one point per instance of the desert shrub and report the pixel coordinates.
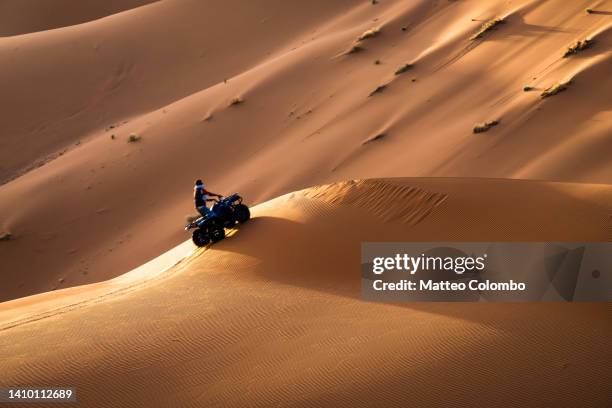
(355, 49)
(369, 34)
(236, 101)
(555, 89)
(378, 89)
(486, 27)
(133, 138)
(403, 69)
(379, 136)
(483, 127)
(578, 46)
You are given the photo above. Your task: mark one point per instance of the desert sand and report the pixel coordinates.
(305, 117)
(289, 103)
(272, 316)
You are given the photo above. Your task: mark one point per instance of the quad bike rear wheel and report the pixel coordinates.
(200, 238)
(242, 213)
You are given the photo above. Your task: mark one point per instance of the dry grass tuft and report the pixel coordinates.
(378, 89)
(404, 68)
(6, 236)
(483, 127)
(578, 46)
(555, 89)
(488, 26)
(369, 34)
(236, 101)
(134, 138)
(379, 136)
(355, 49)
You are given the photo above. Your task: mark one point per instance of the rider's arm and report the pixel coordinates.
(212, 194)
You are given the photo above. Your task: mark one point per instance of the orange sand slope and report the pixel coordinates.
(169, 71)
(27, 16)
(272, 315)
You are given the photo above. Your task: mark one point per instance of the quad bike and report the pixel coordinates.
(224, 214)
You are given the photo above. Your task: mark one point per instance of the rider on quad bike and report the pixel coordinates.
(200, 195)
(225, 213)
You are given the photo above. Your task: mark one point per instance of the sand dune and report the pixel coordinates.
(71, 84)
(72, 96)
(19, 17)
(292, 330)
(340, 122)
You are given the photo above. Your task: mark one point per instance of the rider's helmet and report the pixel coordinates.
(199, 183)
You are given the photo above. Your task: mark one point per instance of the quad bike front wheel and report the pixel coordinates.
(217, 233)
(200, 238)
(242, 213)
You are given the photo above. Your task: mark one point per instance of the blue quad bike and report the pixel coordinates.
(226, 213)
